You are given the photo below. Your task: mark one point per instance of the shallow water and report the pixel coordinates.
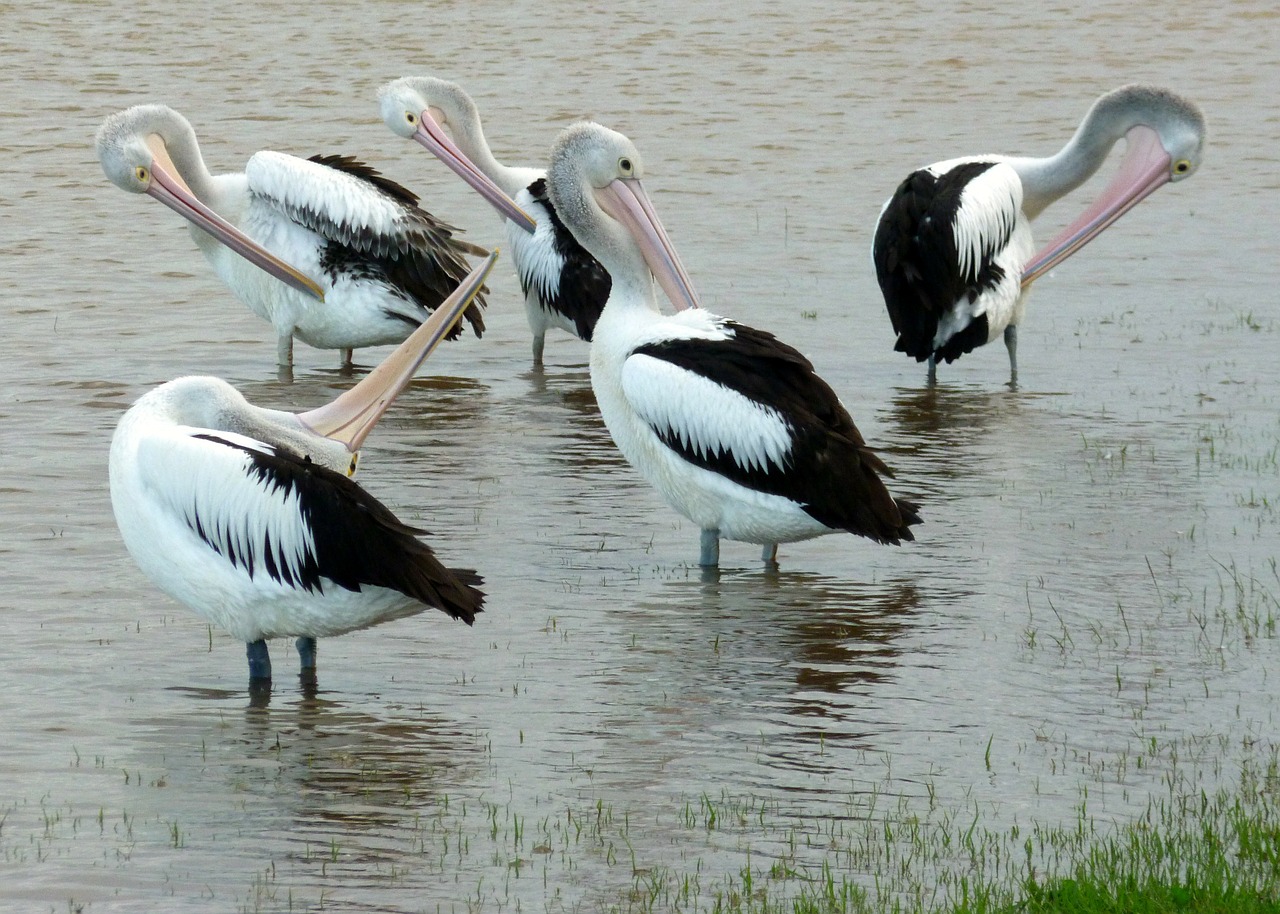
(1096, 571)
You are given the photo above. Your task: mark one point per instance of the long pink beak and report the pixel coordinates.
(437, 142)
(1145, 168)
(626, 201)
(167, 187)
(353, 415)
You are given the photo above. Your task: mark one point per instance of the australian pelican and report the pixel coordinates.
(564, 286)
(248, 515)
(953, 249)
(734, 428)
(362, 264)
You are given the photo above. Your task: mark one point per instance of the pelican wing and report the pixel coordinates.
(550, 262)
(300, 524)
(372, 226)
(752, 409)
(936, 252)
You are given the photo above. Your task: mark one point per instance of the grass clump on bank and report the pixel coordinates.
(1192, 852)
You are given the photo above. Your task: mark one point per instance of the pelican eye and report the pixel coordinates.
(411, 117)
(142, 174)
(1182, 166)
(624, 165)
(351, 467)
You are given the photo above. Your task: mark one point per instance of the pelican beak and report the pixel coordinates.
(169, 188)
(626, 201)
(1144, 169)
(353, 415)
(431, 135)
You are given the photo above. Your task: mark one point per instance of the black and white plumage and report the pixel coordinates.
(364, 263)
(247, 515)
(953, 250)
(733, 427)
(564, 286)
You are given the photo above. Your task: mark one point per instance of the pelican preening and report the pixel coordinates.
(953, 249)
(348, 259)
(247, 515)
(732, 427)
(564, 286)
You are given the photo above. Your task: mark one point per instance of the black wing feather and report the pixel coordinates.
(358, 541)
(584, 283)
(832, 473)
(425, 262)
(918, 265)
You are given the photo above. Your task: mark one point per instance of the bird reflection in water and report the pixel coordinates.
(330, 764)
(956, 432)
(587, 445)
(757, 652)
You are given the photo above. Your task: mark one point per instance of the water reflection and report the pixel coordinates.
(940, 414)
(325, 762)
(941, 435)
(832, 633)
(570, 387)
(586, 445)
(775, 662)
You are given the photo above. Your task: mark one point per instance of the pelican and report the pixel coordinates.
(733, 428)
(248, 515)
(564, 287)
(953, 249)
(347, 258)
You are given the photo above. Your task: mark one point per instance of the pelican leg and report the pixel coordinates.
(307, 654)
(284, 350)
(1011, 343)
(348, 359)
(307, 665)
(710, 556)
(539, 342)
(769, 555)
(259, 661)
(933, 369)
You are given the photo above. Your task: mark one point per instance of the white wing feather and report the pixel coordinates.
(535, 257)
(350, 206)
(212, 488)
(989, 208)
(704, 416)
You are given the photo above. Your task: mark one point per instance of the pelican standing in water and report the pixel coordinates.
(953, 249)
(564, 287)
(248, 515)
(733, 428)
(326, 249)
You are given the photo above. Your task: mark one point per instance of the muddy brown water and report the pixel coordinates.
(1095, 574)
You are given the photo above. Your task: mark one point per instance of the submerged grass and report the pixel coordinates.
(1194, 849)
(1191, 851)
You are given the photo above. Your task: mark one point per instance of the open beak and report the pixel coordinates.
(432, 136)
(626, 201)
(1144, 169)
(167, 187)
(353, 415)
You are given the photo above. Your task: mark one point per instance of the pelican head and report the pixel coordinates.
(1164, 137)
(403, 102)
(427, 110)
(206, 402)
(137, 148)
(1177, 121)
(594, 183)
(130, 142)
